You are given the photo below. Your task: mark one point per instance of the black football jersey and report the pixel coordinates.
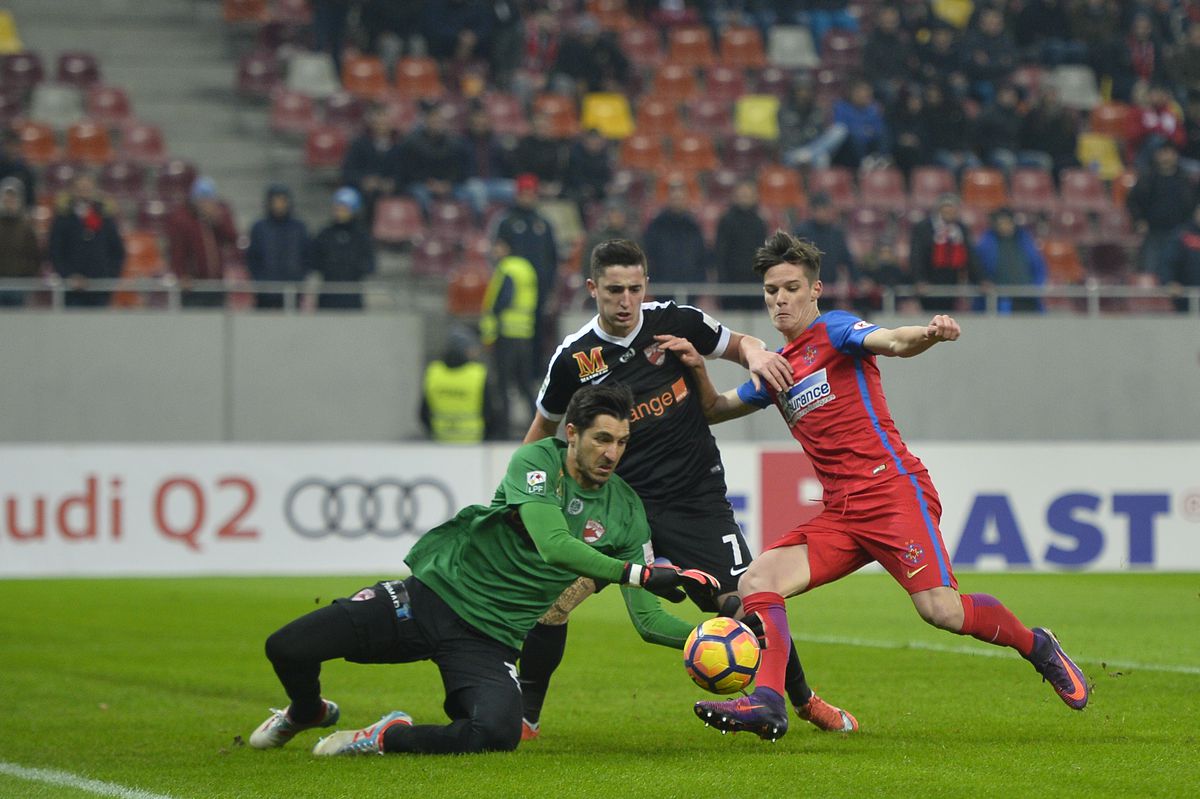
(672, 453)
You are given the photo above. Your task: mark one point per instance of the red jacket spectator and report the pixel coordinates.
(1159, 121)
(200, 233)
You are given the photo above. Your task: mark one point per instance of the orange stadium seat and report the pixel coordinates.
(1033, 191)
(1111, 119)
(642, 151)
(78, 68)
(1062, 261)
(564, 120)
(724, 83)
(466, 287)
(694, 152)
(779, 187)
(675, 83)
(883, 189)
(984, 189)
(418, 77)
(1083, 190)
(143, 143)
(506, 114)
(89, 143)
(398, 220)
(39, 145)
(742, 47)
(364, 76)
(241, 12)
(690, 46)
(672, 174)
(642, 44)
(143, 259)
(108, 105)
(838, 183)
(1121, 186)
(658, 116)
(710, 115)
(292, 113)
(325, 148)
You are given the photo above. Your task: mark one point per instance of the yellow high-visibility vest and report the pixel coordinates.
(455, 398)
(517, 319)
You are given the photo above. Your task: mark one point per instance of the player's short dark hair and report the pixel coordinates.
(609, 399)
(783, 247)
(615, 252)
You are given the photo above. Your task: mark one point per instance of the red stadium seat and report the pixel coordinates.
(297, 13)
(675, 83)
(564, 119)
(152, 213)
(122, 179)
(927, 183)
(642, 44)
(1033, 191)
(506, 114)
(1083, 190)
(344, 110)
(690, 47)
(1069, 224)
(292, 113)
(174, 181)
(364, 76)
(450, 220)
(742, 47)
(325, 148)
(774, 81)
(467, 286)
(1062, 262)
(78, 68)
(21, 71)
(694, 152)
(108, 105)
(89, 143)
(710, 115)
(1111, 119)
(259, 73)
(641, 151)
(745, 155)
(720, 183)
(39, 145)
(398, 220)
(838, 183)
(724, 83)
(984, 189)
(672, 174)
(418, 78)
(58, 176)
(432, 257)
(143, 143)
(657, 116)
(245, 12)
(779, 187)
(883, 189)
(841, 51)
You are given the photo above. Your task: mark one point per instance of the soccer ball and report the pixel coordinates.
(721, 655)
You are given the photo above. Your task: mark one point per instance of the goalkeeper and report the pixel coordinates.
(479, 583)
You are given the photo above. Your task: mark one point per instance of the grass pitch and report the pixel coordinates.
(150, 685)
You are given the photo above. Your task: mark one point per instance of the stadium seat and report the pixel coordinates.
(564, 123)
(841, 50)
(467, 286)
(1076, 86)
(89, 143)
(10, 38)
(417, 77)
(398, 220)
(927, 184)
(757, 115)
(143, 143)
(12, 106)
(56, 104)
(174, 181)
(829, 85)
(1114, 226)
(607, 112)
(1111, 118)
(690, 46)
(779, 187)
(404, 113)
(1101, 153)
(57, 177)
(642, 44)
(675, 83)
(1068, 223)
(122, 179)
(1063, 265)
(432, 257)
(292, 113)
(364, 76)
(258, 74)
(344, 110)
(325, 148)
(108, 105)
(297, 13)
(791, 47)
(21, 71)
(694, 152)
(838, 183)
(312, 74)
(642, 151)
(720, 183)
(710, 115)
(1121, 185)
(672, 174)
(657, 116)
(773, 81)
(506, 114)
(983, 189)
(1033, 191)
(883, 189)
(724, 83)
(741, 46)
(245, 12)
(39, 145)
(450, 219)
(78, 68)
(143, 259)
(867, 222)
(745, 155)
(611, 14)
(152, 213)
(1082, 190)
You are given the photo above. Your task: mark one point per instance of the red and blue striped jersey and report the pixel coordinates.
(836, 408)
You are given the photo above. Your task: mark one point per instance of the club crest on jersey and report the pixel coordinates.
(575, 507)
(592, 531)
(863, 324)
(810, 355)
(655, 354)
(535, 482)
(591, 364)
(805, 396)
(914, 554)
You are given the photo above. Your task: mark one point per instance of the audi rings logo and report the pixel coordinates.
(352, 508)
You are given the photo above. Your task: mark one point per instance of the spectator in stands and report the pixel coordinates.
(200, 237)
(278, 246)
(673, 241)
(329, 28)
(888, 55)
(398, 19)
(540, 153)
(343, 251)
(456, 30)
(435, 160)
(13, 165)
(539, 52)
(998, 134)
(884, 270)
(740, 232)
(589, 169)
(1096, 25)
(824, 229)
(458, 404)
(1052, 128)
(1156, 121)
(1141, 58)
(1182, 260)
(1183, 64)
(591, 59)
(825, 15)
(805, 138)
(489, 175)
(613, 225)
(947, 129)
(20, 256)
(1190, 154)
(85, 243)
(1042, 31)
(941, 255)
(531, 237)
(910, 130)
(866, 130)
(504, 47)
(941, 59)
(1008, 256)
(374, 164)
(1159, 202)
(508, 327)
(990, 53)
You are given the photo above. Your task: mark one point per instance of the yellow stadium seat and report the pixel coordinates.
(955, 12)
(757, 115)
(10, 39)
(1099, 151)
(609, 113)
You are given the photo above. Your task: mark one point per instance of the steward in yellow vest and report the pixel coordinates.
(456, 402)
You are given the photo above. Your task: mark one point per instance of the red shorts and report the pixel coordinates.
(894, 523)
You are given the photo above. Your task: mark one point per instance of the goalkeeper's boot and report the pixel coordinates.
(825, 716)
(530, 730)
(1059, 670)
(279, 728)
(367, 741)
(762, 713)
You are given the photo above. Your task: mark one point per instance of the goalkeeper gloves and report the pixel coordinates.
(668, 582)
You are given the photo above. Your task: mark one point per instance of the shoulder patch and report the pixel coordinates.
(535, 482)
(863, 324)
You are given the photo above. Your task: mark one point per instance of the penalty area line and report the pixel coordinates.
(991, 652)
(51, 776)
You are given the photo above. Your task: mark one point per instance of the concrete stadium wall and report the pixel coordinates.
(82, 377)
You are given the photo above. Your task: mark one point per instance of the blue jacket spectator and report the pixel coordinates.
(1008, 256)
(278, 245)
(866, 130)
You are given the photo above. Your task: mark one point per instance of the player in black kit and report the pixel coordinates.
(672, 462)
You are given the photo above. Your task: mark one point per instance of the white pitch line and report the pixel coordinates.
(66, 778)
(991, 652)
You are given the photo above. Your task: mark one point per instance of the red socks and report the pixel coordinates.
(769, 607)
(989, 621)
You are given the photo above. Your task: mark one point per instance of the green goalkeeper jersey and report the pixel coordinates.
(487, 567)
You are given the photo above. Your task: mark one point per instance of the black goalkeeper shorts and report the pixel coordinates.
(700, 535)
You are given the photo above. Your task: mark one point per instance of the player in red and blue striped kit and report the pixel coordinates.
(880, 504)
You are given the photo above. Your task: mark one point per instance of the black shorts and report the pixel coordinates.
(700, 535)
